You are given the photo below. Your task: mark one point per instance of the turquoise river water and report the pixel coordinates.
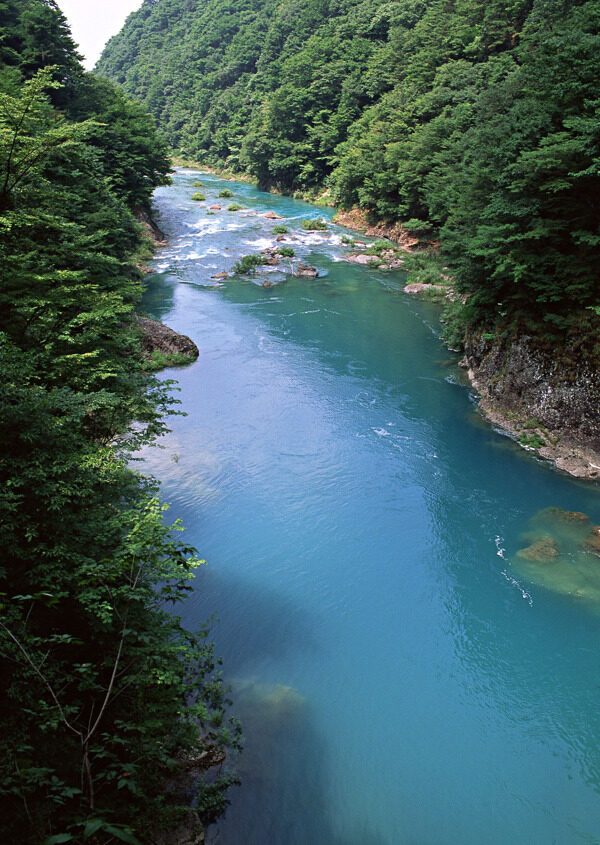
(399, 681)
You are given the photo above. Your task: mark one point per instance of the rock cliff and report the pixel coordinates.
(550, 403)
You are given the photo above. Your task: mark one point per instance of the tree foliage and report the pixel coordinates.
(102, 691)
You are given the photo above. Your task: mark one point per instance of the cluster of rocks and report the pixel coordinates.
(272, 257)
(387, 259)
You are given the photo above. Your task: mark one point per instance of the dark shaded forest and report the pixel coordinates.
(102, 692)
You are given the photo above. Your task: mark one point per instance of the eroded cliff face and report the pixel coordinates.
(549, 401)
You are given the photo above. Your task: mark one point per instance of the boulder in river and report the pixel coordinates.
(360, 259)
(215, 207)
(163, 346)
(305, 270)
(221, 275)
(270, 215)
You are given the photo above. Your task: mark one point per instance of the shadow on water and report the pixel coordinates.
(159, 295)
(259, 622)
(283, 795)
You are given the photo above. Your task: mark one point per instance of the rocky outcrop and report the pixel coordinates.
(387, 259)
(155, 234)
(156, 337)
(429, 291)
(358, 219)
(549, 401)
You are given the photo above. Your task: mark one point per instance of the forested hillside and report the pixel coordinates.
(477, 123)
(101, 689)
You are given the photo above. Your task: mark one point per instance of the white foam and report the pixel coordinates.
(260, 243)
(382, 432)
(514, 583)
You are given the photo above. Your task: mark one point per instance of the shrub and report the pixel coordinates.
(198, 197)
(347, 240)
(248, 263)
(197, 184)
(312, 225)
(378, 247)
(280, 230)
(454, 322)
(286, 252)
(225, 193)
(233, 207)
(160, 361)
(532, 441)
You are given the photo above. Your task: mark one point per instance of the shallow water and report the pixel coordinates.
(401, 680)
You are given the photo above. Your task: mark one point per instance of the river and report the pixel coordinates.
(398, 679)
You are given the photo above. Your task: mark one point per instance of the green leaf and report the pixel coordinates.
(123, 834)
(92, 826)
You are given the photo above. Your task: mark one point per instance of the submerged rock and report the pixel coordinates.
(562, 554)
(564, 516)
(592, 542)
(541, 551)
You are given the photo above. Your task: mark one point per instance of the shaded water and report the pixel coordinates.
(400, 678)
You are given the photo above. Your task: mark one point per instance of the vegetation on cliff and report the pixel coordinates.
(477, 123)
(102, 691)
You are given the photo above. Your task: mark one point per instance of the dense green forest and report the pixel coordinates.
(474, 123)
(103, 694)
